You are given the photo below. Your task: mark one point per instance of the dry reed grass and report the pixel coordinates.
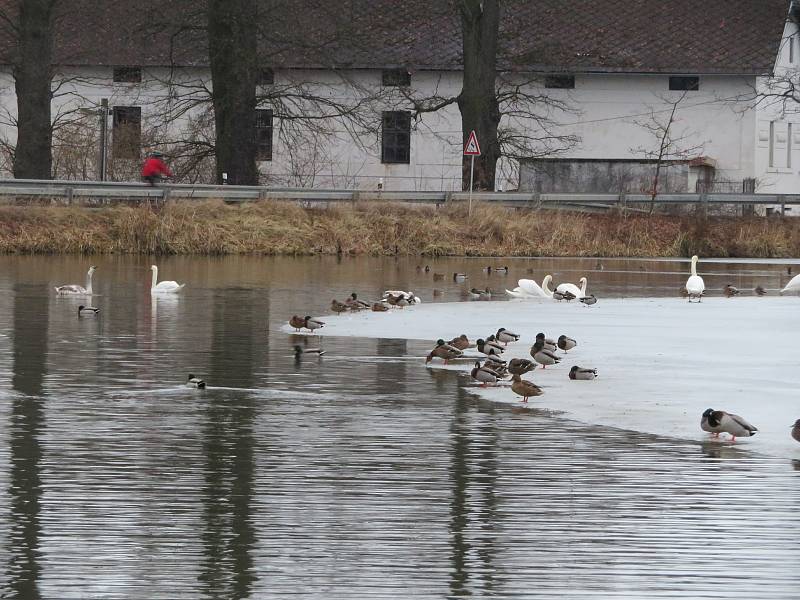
(214, 227)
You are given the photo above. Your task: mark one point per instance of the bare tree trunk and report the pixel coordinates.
(232, 34)
(477, 102)
(32, 75)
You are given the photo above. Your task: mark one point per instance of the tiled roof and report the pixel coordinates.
(652, 36)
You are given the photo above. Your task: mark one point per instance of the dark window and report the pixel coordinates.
(266, 76)
(681, 83)
(264, 134)
(127, 132)
(396, 78)
(561, 82)
(396, 137)
(127, 74)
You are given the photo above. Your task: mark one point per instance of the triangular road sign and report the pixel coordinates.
(472, 148)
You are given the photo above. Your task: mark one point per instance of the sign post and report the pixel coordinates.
(472, 149)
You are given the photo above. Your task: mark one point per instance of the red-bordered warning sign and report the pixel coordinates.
(472, 148)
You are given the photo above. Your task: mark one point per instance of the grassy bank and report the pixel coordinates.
(383, 229)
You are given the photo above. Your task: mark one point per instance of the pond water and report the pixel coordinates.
(360, 475)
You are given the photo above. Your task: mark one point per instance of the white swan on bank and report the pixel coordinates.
(793, 285)
(695, 286)
(528, 288)
(74, 289)
(579, 292)
(163, 287)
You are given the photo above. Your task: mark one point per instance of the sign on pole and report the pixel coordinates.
(472, 148)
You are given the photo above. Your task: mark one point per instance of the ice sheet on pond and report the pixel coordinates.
(661, 361)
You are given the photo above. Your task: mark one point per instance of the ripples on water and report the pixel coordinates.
(360, 475)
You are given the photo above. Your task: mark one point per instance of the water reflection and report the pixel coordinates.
(360, 475)
(27, 423)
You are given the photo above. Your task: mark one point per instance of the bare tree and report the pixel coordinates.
(671, 144)
(30, 24)
(510, 117)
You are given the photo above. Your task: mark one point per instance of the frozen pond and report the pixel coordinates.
(364, 474)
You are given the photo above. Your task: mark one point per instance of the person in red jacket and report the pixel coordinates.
(155, 168)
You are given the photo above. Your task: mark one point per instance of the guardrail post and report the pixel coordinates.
(355, 196)
(68, 194)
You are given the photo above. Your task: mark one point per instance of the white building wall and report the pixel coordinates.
(608, 112)
(778, 152)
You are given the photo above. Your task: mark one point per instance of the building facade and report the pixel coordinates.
(616, 86)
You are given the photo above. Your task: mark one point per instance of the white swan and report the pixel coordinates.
(793, 285)
(163, 287)
(695, 286)
(528, 288)
(74, 289)
(579, 292)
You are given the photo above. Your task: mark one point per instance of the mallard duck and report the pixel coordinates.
(705, 424)
(695, 286)
(589, 300)
(793, 285)
(194, 382)
(558, 296)
(297, 322)
(299, 351)
(568, 296)
(461, 342)
(499, 369)
(729, 291)
(547, 343)
(502, 270)
(543, 356)
(444, 351)
(520, 366)
(719, 421)
(506, 336)
(487, 347)
(459, 277)
(73, 289)
(524, 388)
(379, 307)
(484, 375)
(90, 311)
(473, 294)
(338, 307)
(760, 291)
(312, 324)
(495, 360)
(354, 303)
(566, 343)
(796, 430)
(582, 374)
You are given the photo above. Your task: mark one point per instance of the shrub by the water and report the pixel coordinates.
(270, 227)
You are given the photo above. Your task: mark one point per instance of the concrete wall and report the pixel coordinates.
(581, 175)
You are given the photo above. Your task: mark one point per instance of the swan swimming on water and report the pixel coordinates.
(793, 285)
(528, 288)
(695, 286)
(74, 289)
(163, 287)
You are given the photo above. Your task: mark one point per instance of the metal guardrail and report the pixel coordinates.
(69, 190)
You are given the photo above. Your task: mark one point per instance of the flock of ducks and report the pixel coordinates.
(495, 368)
